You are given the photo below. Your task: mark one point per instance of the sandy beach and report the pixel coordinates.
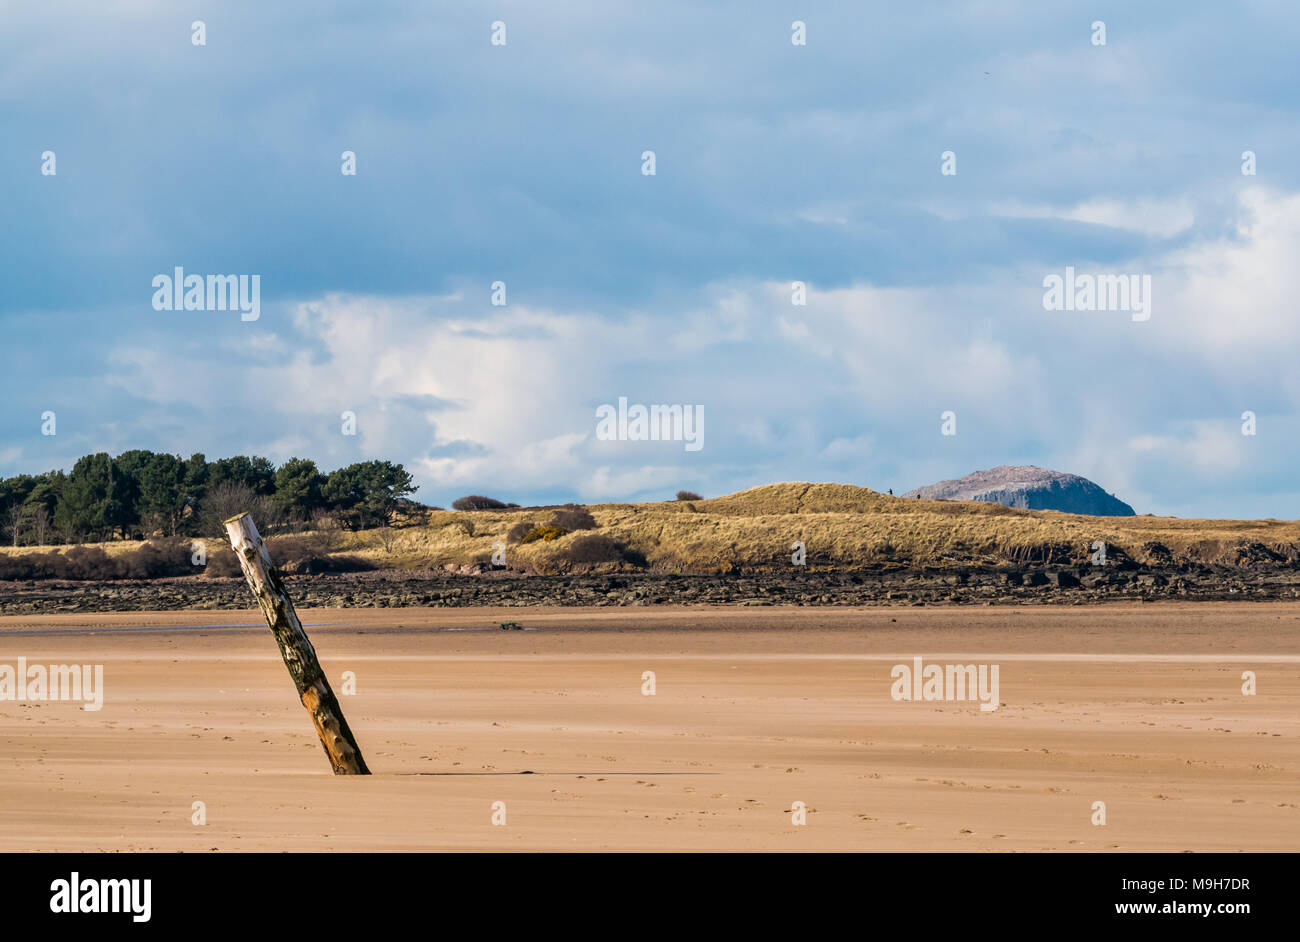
(754, 710)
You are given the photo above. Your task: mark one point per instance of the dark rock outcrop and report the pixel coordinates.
(985, 585)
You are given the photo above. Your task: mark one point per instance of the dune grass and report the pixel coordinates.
(842, 526)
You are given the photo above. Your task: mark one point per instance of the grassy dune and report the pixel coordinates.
(842, 526)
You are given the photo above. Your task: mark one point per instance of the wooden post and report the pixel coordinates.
(295, 647)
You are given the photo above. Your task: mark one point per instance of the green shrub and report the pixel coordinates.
(543, 533)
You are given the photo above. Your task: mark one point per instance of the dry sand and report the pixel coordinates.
(1136, 706)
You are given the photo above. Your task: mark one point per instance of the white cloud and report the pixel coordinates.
(1234, 299)
(502, 399)
(1207, 447)
(1152, 217)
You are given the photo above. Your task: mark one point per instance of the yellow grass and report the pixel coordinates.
(841, 525)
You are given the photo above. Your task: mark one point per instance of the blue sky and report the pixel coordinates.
(775, 163)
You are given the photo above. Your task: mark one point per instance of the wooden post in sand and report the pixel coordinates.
(295, 647)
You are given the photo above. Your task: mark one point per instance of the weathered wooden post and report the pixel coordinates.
(295, 647)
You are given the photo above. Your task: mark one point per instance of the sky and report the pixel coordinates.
(774, 163)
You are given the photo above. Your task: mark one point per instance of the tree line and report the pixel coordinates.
(140, 494)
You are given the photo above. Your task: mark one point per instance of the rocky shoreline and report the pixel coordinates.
(1025, 585)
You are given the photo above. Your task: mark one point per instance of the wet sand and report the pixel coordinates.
(755, 709)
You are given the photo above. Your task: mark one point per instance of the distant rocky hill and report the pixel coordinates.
(1030, 488)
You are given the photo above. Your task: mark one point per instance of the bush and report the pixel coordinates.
(477, 502)
(81, 562)
(311, 565)
(573, 517)
(17, 568)
(326, 532)
(222, 563)
(286, 551)
(291, 555)
(590, 549)
(519, 531)
(153, 560)
(688, 495)
(543, 533)
(297, 556)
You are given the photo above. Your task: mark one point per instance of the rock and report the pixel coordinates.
(934, 585)
(1157, 554)
(1116, 558)
(1251, 553)
(1030, 488)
